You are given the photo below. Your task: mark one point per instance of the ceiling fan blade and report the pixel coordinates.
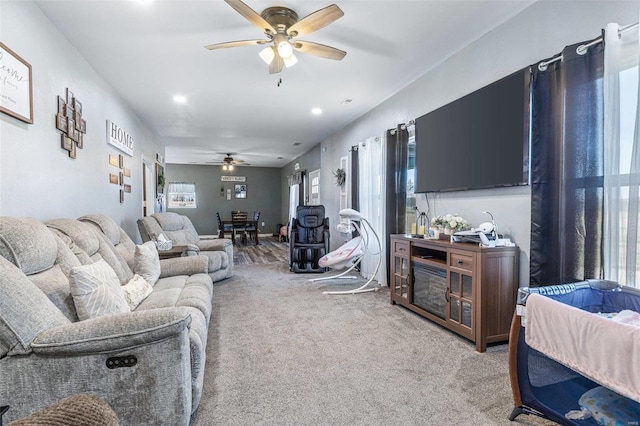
(235, 44)
(251, 15)
(315, 21)
(276, 65)
(318, 49)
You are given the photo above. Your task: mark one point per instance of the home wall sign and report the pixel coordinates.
(233, 178)
(70, 122)
(119, 138)
(16, 90)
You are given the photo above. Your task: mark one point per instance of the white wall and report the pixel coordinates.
(37, 178)
(540, 31)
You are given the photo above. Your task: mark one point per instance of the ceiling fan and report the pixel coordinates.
(228, 162)
(282, 27)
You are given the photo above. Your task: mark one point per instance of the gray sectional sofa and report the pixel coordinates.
(179, 229)
(148, 364)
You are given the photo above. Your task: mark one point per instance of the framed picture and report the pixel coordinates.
(71, 126)
(127, 188)
(121, 176)
(77, 117)
(62, 106)
(77, 106)
(121, 196)
(66, 143)
(160, 180)
(70, 98)
(83, 125)
(61, 122)
(68, 111)
(113, 160)
(241, 191)
(127, 172)
(80, 141)
(17, 86)
(121, 161)
(72, 153)
(113, 178)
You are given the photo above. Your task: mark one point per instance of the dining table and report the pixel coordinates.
(248, 222)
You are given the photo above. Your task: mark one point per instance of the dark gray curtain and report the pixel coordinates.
(396, 185)
(567, 168)
(355, 183)
(298, 179)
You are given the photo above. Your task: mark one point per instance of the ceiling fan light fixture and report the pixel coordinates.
(230, 166)
(267, 54)
(285, 50)
(290, 61)
(224, 167)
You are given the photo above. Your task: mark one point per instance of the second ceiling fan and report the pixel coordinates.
(282, 27)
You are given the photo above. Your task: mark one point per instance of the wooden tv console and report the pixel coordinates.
(468, 289)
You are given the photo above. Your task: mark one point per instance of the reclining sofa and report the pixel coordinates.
(179, 229)
(147, 363)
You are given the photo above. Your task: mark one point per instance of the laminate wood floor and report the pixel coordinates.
(269, 250)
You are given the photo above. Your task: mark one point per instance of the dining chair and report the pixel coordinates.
(239, 222)
(223, 229)
(253, 227)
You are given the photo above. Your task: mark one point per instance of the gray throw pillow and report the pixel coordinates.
(96, 291)
(146, 262)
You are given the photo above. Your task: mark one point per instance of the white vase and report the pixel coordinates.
(448, 230)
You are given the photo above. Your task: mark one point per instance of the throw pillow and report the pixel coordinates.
(146, 262)
(96, 292)
(136, 290)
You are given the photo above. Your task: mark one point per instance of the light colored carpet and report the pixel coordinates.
(281, 353)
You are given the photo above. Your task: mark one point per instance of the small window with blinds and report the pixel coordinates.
(181, 195)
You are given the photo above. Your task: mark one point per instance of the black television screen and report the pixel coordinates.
(478, 141)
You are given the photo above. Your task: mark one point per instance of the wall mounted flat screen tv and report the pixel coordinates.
(478, 141)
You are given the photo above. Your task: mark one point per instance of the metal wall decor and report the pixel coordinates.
(70, 122)
(119, 178)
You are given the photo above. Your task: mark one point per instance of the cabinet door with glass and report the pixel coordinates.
(400, 269)
(461, 293)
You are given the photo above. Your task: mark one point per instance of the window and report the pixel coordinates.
(410, 217)
(622, 158)
(626, 262)
(344, 188)
(181, 195)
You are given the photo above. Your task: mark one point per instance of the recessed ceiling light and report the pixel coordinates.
(297, 143)
(346, 101)
(316, 111)
(179, 99)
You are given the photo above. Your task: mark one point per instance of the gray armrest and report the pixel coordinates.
(214, 245)
(188, 265)
(192, 250)
(112, 333)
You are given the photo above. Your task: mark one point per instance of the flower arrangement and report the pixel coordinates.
(452, 221)
(340, 175)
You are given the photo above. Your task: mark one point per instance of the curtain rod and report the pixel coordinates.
(582, 49)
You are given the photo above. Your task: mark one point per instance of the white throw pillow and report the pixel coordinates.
(146, 262)
(96, 292)
(136, 290)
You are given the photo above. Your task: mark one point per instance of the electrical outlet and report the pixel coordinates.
(262, 224)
